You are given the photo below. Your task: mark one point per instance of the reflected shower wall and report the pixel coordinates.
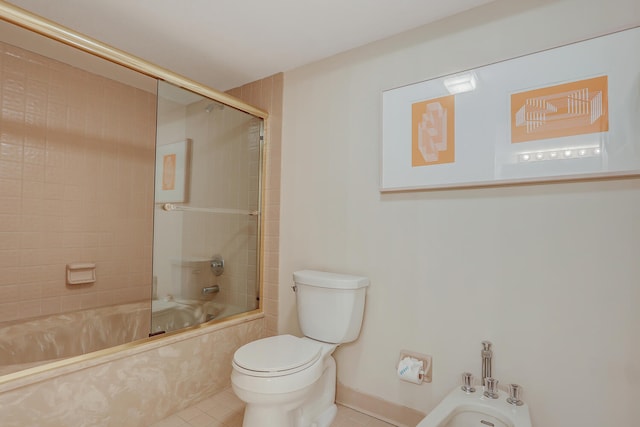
(212, 216)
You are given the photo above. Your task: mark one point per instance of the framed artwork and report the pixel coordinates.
(172, 161)
(567, 113)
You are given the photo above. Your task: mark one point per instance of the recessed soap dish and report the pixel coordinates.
(81, 273)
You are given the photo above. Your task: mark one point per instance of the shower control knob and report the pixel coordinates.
(467, 382)
(515, 392)
(491, 388)
(217, 265)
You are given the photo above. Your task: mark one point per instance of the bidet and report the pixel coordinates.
(460, 409)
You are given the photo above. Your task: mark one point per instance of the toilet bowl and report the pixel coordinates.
(287, 381)
(461, 409)
(285, 372)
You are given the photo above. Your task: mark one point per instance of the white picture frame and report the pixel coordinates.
(478, 127)
(172, 162)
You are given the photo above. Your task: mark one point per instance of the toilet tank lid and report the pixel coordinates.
(325, 279)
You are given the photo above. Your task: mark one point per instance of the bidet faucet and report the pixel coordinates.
(487, 355)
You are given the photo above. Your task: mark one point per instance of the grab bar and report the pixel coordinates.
(171, 207)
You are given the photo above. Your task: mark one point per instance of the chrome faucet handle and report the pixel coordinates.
(467, 382)
(491, 388)
(515, 392)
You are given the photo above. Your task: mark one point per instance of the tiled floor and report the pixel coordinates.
(225, 410)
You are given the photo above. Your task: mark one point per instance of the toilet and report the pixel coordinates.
(287, 381)
(462, 409)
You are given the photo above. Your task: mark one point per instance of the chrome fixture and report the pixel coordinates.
(515, 391)
(487, 355)
(169, 207)
(211, 290)
(214, 106)
(467, 382)
(217, 265)
(491, 388)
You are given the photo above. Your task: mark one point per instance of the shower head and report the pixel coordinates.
(213, 106)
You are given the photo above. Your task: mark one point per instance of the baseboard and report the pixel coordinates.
(389, 412)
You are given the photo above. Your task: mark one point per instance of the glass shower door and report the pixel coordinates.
(207, 211)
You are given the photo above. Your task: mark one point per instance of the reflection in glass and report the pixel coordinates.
(213, 210)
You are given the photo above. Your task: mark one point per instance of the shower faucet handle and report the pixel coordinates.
(217, 265)
(515, 392)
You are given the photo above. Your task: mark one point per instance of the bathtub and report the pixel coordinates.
(177, 314)
(34, 342)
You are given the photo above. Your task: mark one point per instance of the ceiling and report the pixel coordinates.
(227, 43)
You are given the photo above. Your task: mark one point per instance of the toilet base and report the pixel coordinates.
(266, 416)
(326, 418)
(309, 407)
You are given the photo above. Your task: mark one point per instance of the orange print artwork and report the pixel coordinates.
(575, 108)
(432, 131)
(169, 172)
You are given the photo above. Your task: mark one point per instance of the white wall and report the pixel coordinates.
(549, 273)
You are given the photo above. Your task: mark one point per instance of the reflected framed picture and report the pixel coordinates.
(172, 163)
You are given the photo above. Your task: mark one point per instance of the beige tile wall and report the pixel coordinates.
(267, 94)
(76, 185)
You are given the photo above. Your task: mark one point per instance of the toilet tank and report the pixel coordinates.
(330, 306)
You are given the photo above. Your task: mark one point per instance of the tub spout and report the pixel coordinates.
(211, 290)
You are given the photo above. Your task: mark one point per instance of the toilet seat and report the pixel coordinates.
(276, 356)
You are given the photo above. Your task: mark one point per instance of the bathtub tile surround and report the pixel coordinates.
(134, 388)
(76, 183)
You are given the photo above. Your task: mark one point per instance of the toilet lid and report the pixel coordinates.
(279, 355)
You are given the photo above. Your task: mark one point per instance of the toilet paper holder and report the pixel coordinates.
(424, 373)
